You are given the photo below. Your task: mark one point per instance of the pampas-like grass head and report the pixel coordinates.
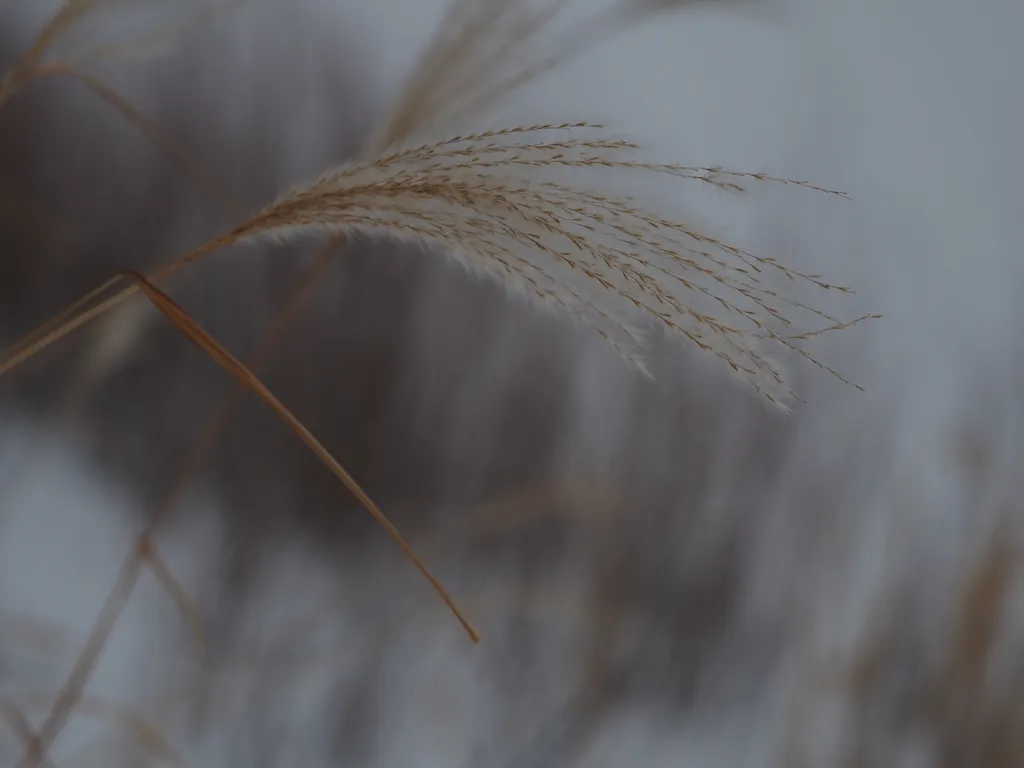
(490, 200)
(526, 206)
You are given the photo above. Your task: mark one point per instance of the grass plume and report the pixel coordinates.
(522, 205)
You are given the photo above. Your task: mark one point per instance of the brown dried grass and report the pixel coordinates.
(490, 199)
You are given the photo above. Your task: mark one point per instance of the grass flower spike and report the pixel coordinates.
(490, 201)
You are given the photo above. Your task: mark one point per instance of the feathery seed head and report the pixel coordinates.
(489, 200)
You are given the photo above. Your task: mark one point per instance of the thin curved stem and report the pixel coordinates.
(173, 148)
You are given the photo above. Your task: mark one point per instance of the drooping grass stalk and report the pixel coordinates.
(478, 197)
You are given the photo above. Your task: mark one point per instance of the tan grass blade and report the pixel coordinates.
(152, 42)
(73, 13)
(76, 315)
(177, 593)
(74, 687)
(27, 346)
(174, 149)
(71, 694)
(195, 333)
(144, 732)
(64, 20)
(980, 608)
(171, 146)
(14, 716)
(206, 444)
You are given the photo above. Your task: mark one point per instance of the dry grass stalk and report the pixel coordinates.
(556, 243)
(423, 98)
(447, 194)
(73, 15)
(979, 612)
(154, 41)
(144, 733)
(419, 104)
(238, 370)
(160, 138)
(976, 722)
(486, 50)
(71, 695)
(972, 722)
(598, 258)
(18, 722)
(33, 66)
